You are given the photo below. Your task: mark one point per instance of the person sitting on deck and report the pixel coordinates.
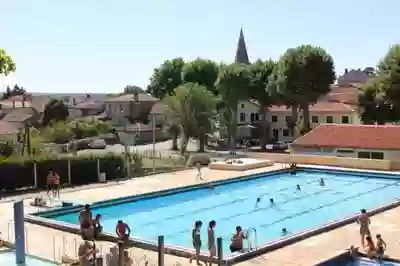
(122, 230)
(380, 247)
(97, 228)
(237, 240)
(38, 202)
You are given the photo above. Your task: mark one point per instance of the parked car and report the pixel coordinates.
(278, 146)
(97, 144)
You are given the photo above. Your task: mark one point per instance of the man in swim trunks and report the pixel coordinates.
(237, 240)
(122, 230)
(364, 222)
(85, 221)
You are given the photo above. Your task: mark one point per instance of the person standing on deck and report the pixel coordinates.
(199, 174)
(211, 240)
(56, 185)
(364, 222)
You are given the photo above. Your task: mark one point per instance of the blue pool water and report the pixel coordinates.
(234, 204)
(368, 262)
(7, 258)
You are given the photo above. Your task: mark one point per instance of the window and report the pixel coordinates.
(377, 155)
(344, 151)
(314, 119)
(242, 117)
(364, 155)
(274, 118)
(257, 117)
(345, 119)
(285, 132)
(252, 117)
(242, 105)
(288, 118)
(329, 119)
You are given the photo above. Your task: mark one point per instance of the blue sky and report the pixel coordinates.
(102, 45)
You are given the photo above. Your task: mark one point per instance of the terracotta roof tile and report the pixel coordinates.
(384, 137)
(88, 104)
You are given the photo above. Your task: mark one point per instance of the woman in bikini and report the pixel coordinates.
(211, 240)
(196, 240)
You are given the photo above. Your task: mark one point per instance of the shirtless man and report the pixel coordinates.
(364, 221)
(85, 220)
(86, 253)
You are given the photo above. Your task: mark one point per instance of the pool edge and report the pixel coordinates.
(184, 252)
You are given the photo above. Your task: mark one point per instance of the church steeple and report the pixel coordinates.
(241, 50)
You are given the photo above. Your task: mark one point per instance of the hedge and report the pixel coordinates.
(16, 174)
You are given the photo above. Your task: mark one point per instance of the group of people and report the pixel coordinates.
(235, 246)
(373, 250)
(53, 183)
(91, 228)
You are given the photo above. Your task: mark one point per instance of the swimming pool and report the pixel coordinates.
(234, 203)
(7, 258)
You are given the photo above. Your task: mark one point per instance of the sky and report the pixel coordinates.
(91, 46)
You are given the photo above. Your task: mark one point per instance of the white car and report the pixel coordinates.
(97, 144)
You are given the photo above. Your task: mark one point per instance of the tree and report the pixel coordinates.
(192, 107)
(302, 76)
(380, 97)
(259, 89)
(7, 64)
(173, 130)
(203, 72)
(166, 78)
(233, 84)
(55, 110)
(15, 91)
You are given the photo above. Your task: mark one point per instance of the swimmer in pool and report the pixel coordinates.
(298, 187)
(271, 201)
(284, 231)
(322, 182)
(258, 200)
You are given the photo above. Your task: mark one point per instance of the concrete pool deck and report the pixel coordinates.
(308, 252)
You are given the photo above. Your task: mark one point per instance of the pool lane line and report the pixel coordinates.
(269, 207)
(218, 205)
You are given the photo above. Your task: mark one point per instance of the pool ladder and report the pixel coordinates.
(252, 229)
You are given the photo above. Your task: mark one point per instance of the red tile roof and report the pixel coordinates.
(384, 137)
(319, 107)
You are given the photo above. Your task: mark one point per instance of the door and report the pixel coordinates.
(275, 134)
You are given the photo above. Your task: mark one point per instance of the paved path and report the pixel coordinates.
(54, 244)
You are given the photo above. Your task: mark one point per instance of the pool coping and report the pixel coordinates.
(187, 253)
(346, 257)
(10, 247)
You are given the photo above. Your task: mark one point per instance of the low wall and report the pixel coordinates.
(240, 167)
(384, 165)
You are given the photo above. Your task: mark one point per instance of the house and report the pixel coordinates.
(86, 108)
(321, 112)
(21, 110)
(136, 105)
(360, 141)
(72, 98)
(9, 130)
(354, 76)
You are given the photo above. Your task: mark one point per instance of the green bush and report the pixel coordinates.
(18, 172)
(6, 149)
(202, 158)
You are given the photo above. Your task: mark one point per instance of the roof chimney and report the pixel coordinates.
(23, 102)
(346, 71)
(13, 103)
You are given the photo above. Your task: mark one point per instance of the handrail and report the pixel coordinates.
(252, 229)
